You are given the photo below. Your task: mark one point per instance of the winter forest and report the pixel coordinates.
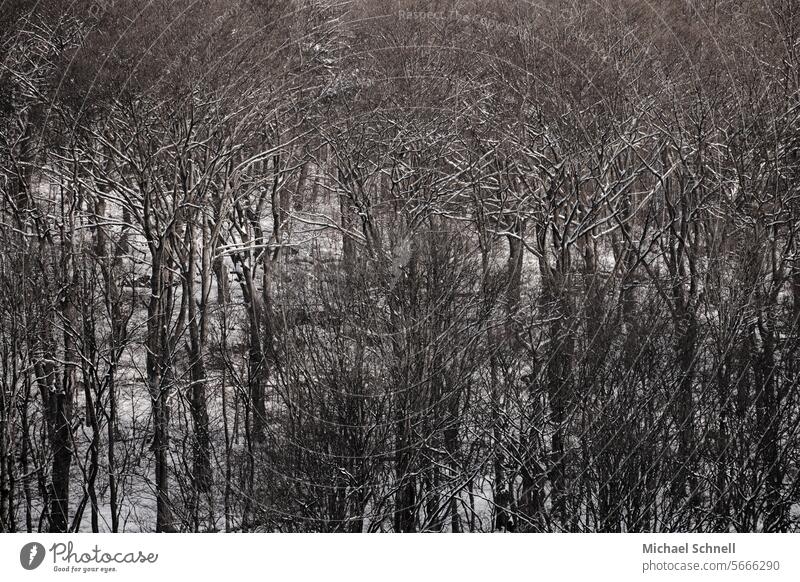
(399, 266)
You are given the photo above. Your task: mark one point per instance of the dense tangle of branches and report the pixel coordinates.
(307, 266)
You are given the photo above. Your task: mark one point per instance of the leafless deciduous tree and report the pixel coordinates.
(416, 266)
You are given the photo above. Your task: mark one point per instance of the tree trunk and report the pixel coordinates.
(157, 361)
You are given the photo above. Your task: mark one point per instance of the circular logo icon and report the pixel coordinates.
(31, 555)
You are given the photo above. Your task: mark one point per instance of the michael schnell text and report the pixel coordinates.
(686, 548)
